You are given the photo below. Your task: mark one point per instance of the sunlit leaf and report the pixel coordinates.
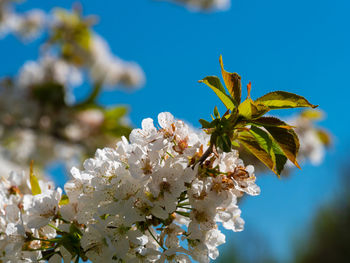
(64, 200)
(274, 158)
(215, 84)
(288, 140)
(73, 36)
(271, 121)
(34, 182)
(232, 82)
(284, 100)
(113, 123)
(271, 147)
(278, 155)
(216, 112)
(115, 113)
(263, 139)
(251, 110)
(250, 142)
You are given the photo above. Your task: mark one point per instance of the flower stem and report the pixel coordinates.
(155, 239)
(57, 229)
(185, 214)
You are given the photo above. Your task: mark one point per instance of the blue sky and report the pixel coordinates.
(298, 46)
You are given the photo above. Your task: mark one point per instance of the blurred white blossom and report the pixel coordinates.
(313, 140)
(40, 118)
(49, 69)
(27, 26)
(205, 5)
(111, 70)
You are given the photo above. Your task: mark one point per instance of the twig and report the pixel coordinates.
(206, 154)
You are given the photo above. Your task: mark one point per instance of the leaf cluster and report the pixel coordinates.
(72, 35)
(270, 139)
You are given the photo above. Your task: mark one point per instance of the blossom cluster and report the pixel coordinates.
(39, 116)
(27, 26)
(94, 53)
(90, 51)
(25, 218)
(153, 199)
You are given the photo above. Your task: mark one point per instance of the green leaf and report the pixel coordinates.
(251, 110)
(280, 158)
(277, 154)
(284, 100)
(257, 148)
(49, 93)
(205, 124)
(78, 32)
(232, 82)
(216, 112)
(262, 138)
(34, 182)
(113, 124)
(115, 113)
(73, 229)
(215, 84)
(261, 144)
(271, 121)
(224, 143)
(104, 216)
(288, 140)
(64, 200)
(235, 143)
(270, 146)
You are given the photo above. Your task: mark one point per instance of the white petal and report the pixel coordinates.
(147, 125)
(165, 119)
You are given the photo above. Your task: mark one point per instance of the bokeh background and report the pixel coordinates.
(297, 46)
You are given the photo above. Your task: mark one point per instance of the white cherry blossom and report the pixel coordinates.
(147, 200)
